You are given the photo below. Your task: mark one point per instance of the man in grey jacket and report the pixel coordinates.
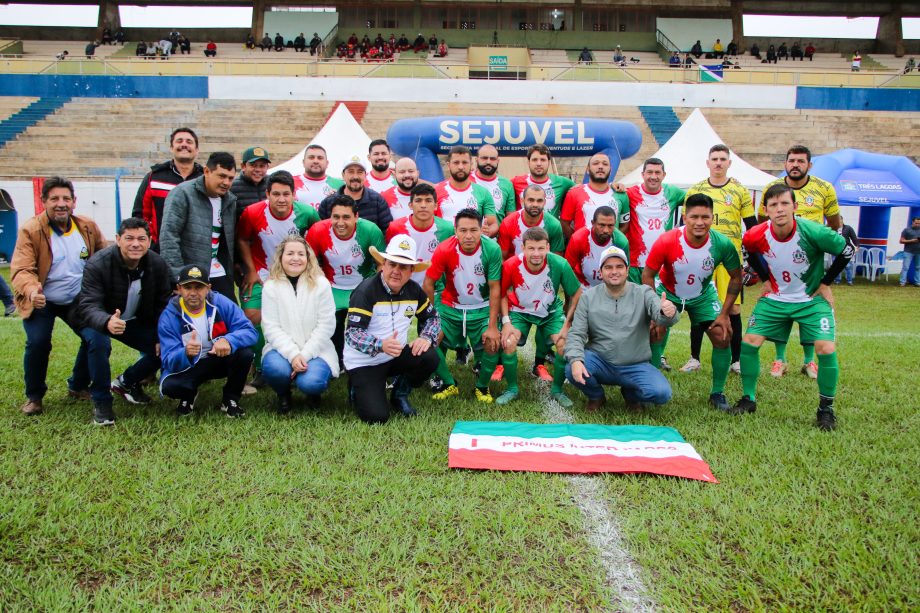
(199, 224)
(608, 342)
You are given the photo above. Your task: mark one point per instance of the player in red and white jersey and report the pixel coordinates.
(582, 200)
(585, 247)
(539, 160)
(313, 185)
(380, 178)
(425, 229)
(531, 215)
(399, 195)
(458, 191)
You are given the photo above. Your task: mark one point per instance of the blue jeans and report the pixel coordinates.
(638, 382)
(6, 296)
(848, 272)
(38, 327)
(99, 348)
(908, 259)
(276, 370)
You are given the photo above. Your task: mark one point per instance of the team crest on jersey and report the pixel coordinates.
(728, 199)
(496, 193)
(751, 320)
(432, 245)
(548, 287)
(293, 231)
(477, 269)
(356, 250)
(663, 206)
(409, 312)
(708, 263)
(809, 200)
(798, 256)
(84, 253)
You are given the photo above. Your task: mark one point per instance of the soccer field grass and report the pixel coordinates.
(319, 511)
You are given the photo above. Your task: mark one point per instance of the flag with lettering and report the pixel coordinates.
(574, 448)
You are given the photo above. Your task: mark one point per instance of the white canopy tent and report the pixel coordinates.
(685, 153)
(342, 137)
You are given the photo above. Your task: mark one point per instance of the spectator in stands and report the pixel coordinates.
(674, 60)
(166, 46)
(91, 49)
(203, 336)
(120, 37)
(696, 50)
(403, 43)
(618, 57)
(174, 37)
(315, 42)
(371, 206)
(771, 54)
(586, 57)
(810, 52)
(908, 67)
(300, 43)
(252, 182)
(185, 46)
(141, 49)
(279, 42)
(210, 49)
(250, 42)
(152, 51)
(199, 224)
(106, 36)
(688, 61)
(392, 40)
(46, 270)
(910, 238)
(266, 43)
(442, 49)
(365, 42)
(732, 48)
(419, 46)
(796, 52)
(62, 55)
(755, 51)
(857, 61)
(125, 288)
(783, 52)
(163, 177)
(353, 39)
(718, 51)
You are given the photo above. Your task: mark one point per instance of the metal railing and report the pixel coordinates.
(663, 40)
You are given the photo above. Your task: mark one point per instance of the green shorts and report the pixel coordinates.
(635, 275)
(253, 300)
(546, 326)
(702, 309)
(773, 319)
(457, 328)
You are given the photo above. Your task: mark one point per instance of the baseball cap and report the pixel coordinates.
(613, 252)
(401, 249)
(192, 274)
(255, 153)
(354, 161)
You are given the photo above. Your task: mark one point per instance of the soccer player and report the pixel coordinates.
(459, 192)
(539, 159)
(313, 185)
(816, 201)
(399, 195)
(686, 258)
(585, 247)
(732, 207)
(342, 245)
(654, 207)
(380, 178)
(427, 230)
(582, 200)
(531, 215)
(261, 228)
(486, 174)
(470, 266)
(530, 284)
(788, 252)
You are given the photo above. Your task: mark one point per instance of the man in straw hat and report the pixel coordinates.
(380, 311)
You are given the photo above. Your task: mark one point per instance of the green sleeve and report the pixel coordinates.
(619, 239)
(675, 195)
(445, 229)
(827, 240)
(484, 198)
(304, 216)
(622, 206)
(492, 256)
(727, 254)
(508, 204)
(334, 183)
(369, 234)
(567, 279)
(554, 229)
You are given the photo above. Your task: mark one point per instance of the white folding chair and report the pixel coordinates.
(876, 261)
(862, 261)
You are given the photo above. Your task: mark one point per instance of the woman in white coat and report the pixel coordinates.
(298, 319)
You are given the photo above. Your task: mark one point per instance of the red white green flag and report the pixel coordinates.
(575, 448)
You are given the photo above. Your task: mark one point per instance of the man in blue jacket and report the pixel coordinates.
(203, 335)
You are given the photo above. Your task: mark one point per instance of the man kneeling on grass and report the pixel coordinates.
(608, 343)
(204, 335)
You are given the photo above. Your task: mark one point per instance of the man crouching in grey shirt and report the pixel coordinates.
(608, 341)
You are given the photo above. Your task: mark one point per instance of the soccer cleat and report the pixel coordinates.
(665, 367)
(103, 415)
(506, 397)
(133, 394)
(185, 408)
(79, 394)
(692, 365)
(810, 370)
(564, 401)
(498, 373)
(232, 408)
(484, 397)
(720, 402)
(778, 369)
(735, 368)
(284, 404)
(744, 405)
(826, 420)
(540, 372)
(447, 392)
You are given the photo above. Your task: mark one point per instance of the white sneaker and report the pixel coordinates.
(692, 365)
(735, 368)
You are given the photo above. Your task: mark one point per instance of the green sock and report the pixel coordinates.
(781, 352)
(487, 365)
(257, 349)
(750, 369)
(828, 374)
(721, 361)
(558, 374)
(809, 351)
(658, 349)
(443, 371)
(510, 362)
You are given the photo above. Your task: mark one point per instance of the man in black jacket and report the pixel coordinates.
(148, 204)
(125, 288)
(371, 205)
(252, 182)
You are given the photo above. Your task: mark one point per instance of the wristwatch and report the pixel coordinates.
(506, 320)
